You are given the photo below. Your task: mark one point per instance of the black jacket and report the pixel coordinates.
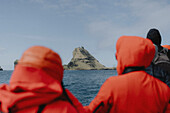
(159, 73)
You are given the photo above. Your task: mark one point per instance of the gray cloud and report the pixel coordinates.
(130, 17)
(2, 51)
(133, 18)
(33, 37)
(65, 6)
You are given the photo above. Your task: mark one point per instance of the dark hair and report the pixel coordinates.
(154, 36)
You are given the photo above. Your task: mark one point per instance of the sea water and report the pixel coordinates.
(84, 84)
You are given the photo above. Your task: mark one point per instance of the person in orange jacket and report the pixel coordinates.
(166, 46)
(133, 90)
(36, 85)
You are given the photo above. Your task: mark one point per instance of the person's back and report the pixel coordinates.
(160, 65)
(133, 90)
(158, 73)
(162, 60)
(36, 85)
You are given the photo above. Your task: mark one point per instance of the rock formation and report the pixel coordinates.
(83, 60)
(15, 62)
(1, 68)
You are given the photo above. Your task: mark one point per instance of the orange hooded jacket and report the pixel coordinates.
(166, 46)
(35, 85)
(135, 91)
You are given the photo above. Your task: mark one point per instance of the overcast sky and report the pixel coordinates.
(63, 25)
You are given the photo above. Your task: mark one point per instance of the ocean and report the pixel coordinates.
(84, 84)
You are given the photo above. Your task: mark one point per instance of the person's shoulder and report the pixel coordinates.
(113, 78)
(162, 87)
(116, 79)
(60, 106)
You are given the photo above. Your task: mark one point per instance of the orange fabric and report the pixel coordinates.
(32, 84)
(44, 58)
(30, 87)
(134, 92)
(133, 51)
(76, 102)
(55, 107)
(166, 46)
(168, 109)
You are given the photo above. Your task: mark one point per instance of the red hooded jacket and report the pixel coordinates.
(35, 85)
(135, 91)
(166, 46)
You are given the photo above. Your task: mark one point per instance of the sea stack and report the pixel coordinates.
(83, 60)
(1, 68)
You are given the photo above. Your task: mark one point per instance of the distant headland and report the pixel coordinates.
(1, 68)
(83, 60)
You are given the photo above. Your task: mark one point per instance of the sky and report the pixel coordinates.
(64, 25)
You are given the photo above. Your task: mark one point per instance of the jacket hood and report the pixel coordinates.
(133, 51)
(28, 87)
(43, 58)
(36, 80)
(154, 36)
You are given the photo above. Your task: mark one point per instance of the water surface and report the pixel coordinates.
(84, 84)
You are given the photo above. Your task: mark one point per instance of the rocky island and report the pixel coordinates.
(83, 60)
(1, 68)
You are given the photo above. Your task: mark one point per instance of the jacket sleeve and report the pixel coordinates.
(103, 101)
(75, 102)
(167, 80)
(168, 109)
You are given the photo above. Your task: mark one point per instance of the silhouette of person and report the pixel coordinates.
(36, 85)
(133, 90)
(158, 71)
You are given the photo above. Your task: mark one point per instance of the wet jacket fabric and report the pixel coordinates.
(32, 89)
(26, 93)
(135, 91)
(159, 67)
(155, 37)
(168, 47)
(157, 72)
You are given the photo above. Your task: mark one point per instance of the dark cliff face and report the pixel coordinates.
(15, 62)
(1, 68)
(83, 60)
